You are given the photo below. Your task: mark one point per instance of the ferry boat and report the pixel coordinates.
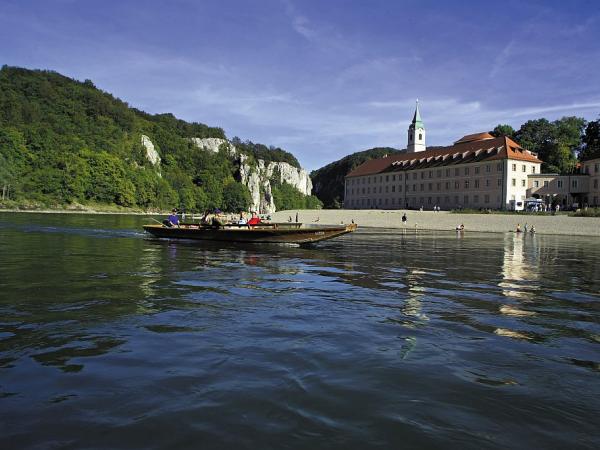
(280, 233)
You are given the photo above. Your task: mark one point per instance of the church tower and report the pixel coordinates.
(416, 133)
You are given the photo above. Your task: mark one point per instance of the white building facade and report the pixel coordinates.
(477, 171)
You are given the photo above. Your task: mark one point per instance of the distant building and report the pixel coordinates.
(579, 189)
(478, 171)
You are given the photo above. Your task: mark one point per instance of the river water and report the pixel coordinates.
(112, 339)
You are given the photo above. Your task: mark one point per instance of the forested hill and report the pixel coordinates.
(65, 141)
(328, 181)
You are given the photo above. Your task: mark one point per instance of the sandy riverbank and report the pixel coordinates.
(446, 221)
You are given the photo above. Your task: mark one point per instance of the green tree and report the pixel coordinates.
(555, 142)
(236, 197)
(503, 130)
(591, 141)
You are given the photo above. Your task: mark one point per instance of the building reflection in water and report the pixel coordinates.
(520, 278)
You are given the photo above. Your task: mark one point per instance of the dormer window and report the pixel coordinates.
(420, 136)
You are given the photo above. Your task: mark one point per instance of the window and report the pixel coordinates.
(574, 183)
(420, 136)
(369, 180)
(487, 183)
(559, 184)
(456, 199)
(466, 171)
(400, 188)
(363, 191)
(386, 189)
(546, 183)
(380, 178)
(422, 187)
(499, 167)
(438, 186)
(476, 183)
(447, 172)
(532, 169)
(536, 183)
(429, 200)
(429, 186)
(431, 174)
(414, 187)
(486, 198)
(456, 172)
(466, 184)
(447, 185)
(514, 182)
(387, 178)
(523, 183)
(400, 177)
(422, 175)
(456, 185)
(514, 167)
(393, 188)
(524, 168)
(488, 168)
(476, 198)
(596, 167)
(439, 173)
(380, 189)
(368, 190)
(476, 170)
(466, 199)
(414, 175)
(393, 177)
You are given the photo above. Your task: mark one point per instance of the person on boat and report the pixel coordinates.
(172, 220)
(254, 220)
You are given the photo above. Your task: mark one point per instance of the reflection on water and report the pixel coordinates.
(109, 338)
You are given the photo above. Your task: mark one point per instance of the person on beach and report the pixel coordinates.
(404, 219)
(172, 220)
(518, 230)
(525, 228)
(461, 227)
(532, 229)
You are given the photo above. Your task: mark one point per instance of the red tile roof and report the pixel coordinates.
(466, 150)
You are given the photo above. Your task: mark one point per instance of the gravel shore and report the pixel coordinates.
(446, 221)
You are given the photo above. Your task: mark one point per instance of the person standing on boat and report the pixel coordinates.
(172, 220)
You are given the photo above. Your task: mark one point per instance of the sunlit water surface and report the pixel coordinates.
(112, 339)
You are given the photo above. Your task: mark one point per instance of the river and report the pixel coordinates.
(110, 338)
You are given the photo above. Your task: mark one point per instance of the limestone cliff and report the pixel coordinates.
(151, 153)
(258, 177)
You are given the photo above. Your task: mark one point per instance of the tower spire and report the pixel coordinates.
(416, 132)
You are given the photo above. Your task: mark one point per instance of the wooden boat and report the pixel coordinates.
(281, 233)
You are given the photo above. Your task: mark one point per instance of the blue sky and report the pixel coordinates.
(322, 79)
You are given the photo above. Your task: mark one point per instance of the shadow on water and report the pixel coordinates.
(374, 339)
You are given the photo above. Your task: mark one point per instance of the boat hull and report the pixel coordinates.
(272, 233)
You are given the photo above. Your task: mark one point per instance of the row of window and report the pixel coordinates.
(455, 200)
(424, 174)
(523, 168)
(596, 168)
(466, 184)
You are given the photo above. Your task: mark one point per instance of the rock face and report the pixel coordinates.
(258, 178)
(151, 152)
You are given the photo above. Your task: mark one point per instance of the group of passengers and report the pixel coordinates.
(214, 218)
